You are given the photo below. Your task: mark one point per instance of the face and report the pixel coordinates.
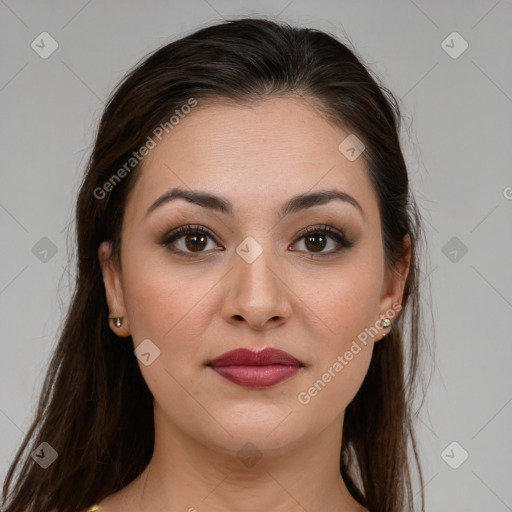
(252, 278)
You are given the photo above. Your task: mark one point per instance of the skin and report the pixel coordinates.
(194, 309)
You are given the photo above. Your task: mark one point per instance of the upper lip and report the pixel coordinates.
(244, 356)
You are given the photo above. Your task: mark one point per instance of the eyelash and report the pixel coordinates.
(332, 232)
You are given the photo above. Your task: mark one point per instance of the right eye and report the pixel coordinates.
(194, 237)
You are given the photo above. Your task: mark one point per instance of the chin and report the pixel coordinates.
(252, 436)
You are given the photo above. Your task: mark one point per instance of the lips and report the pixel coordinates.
(243, 356)
(252, 369)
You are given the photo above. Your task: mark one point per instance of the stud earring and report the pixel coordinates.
(117, 320)
(385, 323)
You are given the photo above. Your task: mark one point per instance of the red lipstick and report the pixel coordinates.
(252, 369)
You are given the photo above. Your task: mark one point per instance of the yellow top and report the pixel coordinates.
(94, 508)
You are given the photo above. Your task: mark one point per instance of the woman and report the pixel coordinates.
(247, 256)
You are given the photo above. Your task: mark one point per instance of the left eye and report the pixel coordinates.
(316, 238)
(194, 239)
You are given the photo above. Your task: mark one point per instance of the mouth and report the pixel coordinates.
(257, 370)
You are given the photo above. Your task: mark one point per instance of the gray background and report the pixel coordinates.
(457, 142)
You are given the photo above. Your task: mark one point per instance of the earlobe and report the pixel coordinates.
(113, 291)
(385, 324)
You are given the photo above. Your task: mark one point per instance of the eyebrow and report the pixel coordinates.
(293, 205)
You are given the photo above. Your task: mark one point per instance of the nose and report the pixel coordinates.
(257, 293)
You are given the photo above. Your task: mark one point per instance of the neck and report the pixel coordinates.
(186, 475)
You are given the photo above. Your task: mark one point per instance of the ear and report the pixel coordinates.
(113, 289)
(394, 284)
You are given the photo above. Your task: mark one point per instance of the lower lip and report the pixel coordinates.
(257, 376)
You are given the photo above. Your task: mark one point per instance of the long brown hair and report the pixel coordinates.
(95, 409)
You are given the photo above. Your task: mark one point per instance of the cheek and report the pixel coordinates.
(169, 308)
(342, 303)
(341, 359)
(166, 305)
(344, 310)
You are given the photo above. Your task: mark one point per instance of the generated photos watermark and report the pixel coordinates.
(137, 156)
(304, 397)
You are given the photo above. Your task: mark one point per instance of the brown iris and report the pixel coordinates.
(197, 241)
(318, 245)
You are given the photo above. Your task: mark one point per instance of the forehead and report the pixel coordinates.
(255, 154)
